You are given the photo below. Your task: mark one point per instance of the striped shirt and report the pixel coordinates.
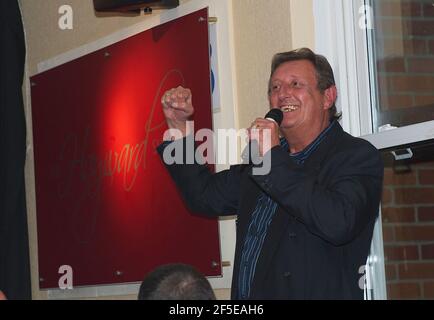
(261, 219)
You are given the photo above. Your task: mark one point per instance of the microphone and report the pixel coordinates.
(275, 115)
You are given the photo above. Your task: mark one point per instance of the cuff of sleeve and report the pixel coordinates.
(279, 157)
(185, 141)
(163, 146)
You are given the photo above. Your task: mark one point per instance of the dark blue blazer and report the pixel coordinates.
(319, 239)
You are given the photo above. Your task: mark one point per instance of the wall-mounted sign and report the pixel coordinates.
(106, 205)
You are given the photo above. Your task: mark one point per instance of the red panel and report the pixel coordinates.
(105, 202)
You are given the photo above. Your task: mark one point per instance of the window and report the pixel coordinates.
(402, 53)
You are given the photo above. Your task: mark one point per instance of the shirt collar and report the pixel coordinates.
(311, 147)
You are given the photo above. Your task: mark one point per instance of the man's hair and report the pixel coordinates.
(175, 282)
(324, 72)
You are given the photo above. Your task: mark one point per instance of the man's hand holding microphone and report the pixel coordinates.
(264, 133)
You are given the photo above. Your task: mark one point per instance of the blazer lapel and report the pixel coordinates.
(249, 195)
(326, 146)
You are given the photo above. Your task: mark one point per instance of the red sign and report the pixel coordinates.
(106, 206)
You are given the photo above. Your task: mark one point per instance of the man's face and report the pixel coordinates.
(294, 87)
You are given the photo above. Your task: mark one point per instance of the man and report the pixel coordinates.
(175, 282)
(304, 229)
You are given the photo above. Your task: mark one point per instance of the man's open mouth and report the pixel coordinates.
(289, 108)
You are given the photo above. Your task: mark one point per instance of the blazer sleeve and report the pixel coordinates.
(211, 194)
(335, 202)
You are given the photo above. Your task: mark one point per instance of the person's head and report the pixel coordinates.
(304, 81)
(175, 282)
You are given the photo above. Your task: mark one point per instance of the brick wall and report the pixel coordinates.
(408, 231)
(404, 34)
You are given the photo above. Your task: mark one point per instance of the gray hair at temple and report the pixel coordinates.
(324, 72)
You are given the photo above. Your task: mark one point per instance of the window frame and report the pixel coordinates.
(339, 38)
(342, 36)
